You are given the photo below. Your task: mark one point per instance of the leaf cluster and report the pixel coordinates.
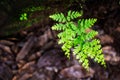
(23, 16)
(75, 35)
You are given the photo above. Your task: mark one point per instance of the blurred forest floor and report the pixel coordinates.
(32, 53)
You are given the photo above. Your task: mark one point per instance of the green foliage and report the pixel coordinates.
(23, 16)
(33, 9)
(29, 10)
(61, 18)
(75, 36)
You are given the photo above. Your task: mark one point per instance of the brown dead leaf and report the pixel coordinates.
(6, 48)
(6, 42)
(26, 48)
(76, 71)
(25, 76)
(43, 39)
(106, 39)
(27, 65)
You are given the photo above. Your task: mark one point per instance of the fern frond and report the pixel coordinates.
(91, 35)
(92, 50)
(73, 14)
(83, 24)
(66, 47)
(58, 17)
(67, 35)
(59, 26)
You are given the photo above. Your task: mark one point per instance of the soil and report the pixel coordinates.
(34, 54)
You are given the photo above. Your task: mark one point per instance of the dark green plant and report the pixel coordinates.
(78, 38)
(33, 9)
